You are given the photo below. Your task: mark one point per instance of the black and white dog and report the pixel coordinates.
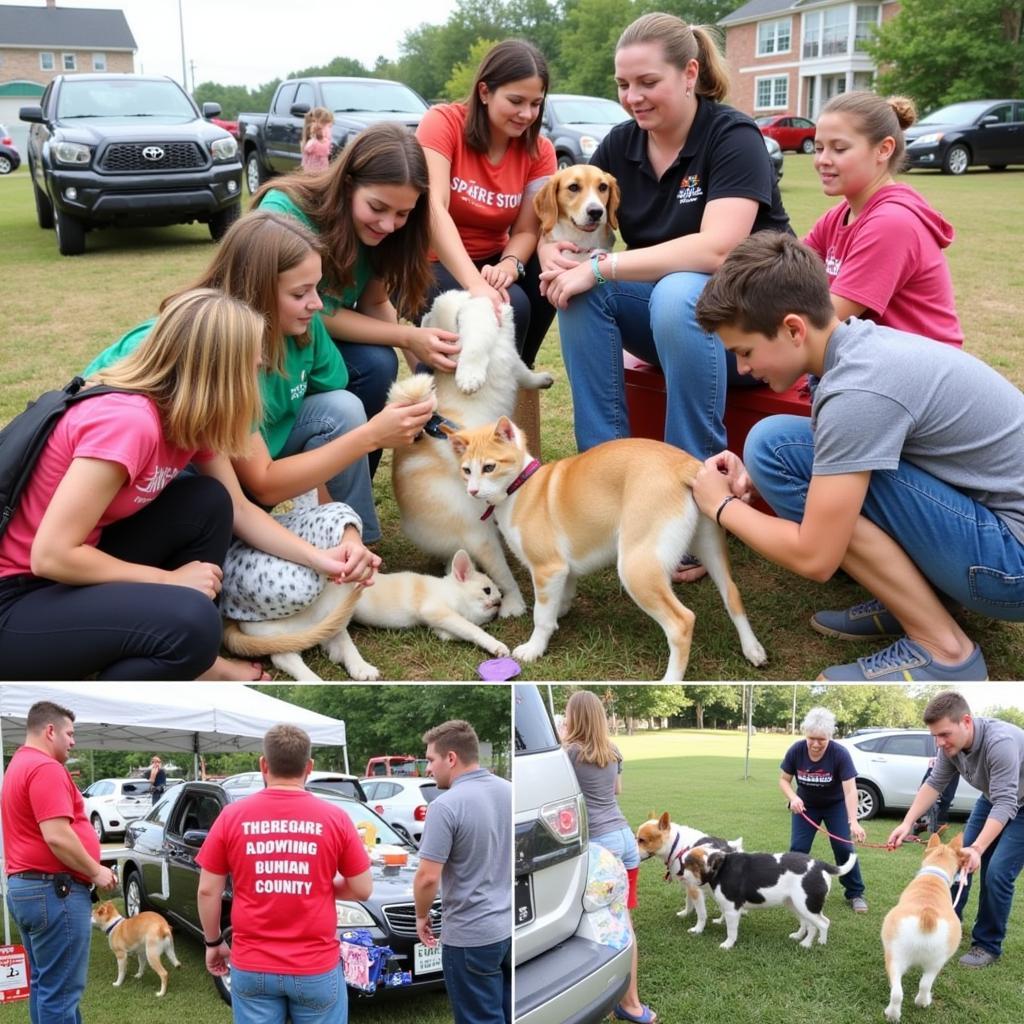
(741, 881)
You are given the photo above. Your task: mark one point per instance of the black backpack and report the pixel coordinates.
(22, 440)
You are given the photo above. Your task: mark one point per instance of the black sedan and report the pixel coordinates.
(963, 135)
(159, 872)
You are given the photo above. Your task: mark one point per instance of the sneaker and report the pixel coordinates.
(977, 957)
(858, 905)
(864, 621)
(908, 662)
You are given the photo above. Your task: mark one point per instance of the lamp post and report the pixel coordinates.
(181, 30)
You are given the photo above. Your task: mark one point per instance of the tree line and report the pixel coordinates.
(936, 51)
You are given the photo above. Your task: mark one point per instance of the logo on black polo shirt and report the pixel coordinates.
(689, 189)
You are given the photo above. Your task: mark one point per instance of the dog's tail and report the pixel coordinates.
(843, 869)
(417, 388)
(249, 645)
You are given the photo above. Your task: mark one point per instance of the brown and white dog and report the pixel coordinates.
(922, 930)
(663, 838)
(746, 880)
(146, 933)
(578, 204)
(625, 503)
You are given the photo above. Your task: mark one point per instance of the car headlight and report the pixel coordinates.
(72, 153)
(587, 145)
(926, 140)
(224, 149)
(352, 915)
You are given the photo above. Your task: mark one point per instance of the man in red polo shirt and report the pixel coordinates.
(52, 856)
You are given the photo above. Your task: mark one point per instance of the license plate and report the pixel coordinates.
(426, 959)
(524, 901)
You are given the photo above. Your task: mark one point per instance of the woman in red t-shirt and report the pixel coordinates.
(112, 561)
(486, 160)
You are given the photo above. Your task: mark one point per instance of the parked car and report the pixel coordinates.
(395, 764)
(796, 133)
(774, 154)
(111, 804)
(890, 765)
(963, 135)
(246, 783)
(159, 872)
(401, 801)
(562, 970)
(271, 142)
(576, 124)
(128, 150)
(10, 158)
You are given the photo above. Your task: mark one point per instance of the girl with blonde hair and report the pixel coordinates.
(111, 564)
(316, 139)
(695, 179)
(598, 765)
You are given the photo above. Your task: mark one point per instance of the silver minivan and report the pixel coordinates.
(563, 975)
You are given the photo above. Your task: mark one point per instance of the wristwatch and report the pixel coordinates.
(520, 269)
(212, 943)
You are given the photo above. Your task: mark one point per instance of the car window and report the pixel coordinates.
(113, 98)
(376, 95)
(870, 745)
(430, 792)
(140, 788)
(956, 113)
(370, 789)
(306, 95)
(534, 730)
(360, 814)
(587, 110)
(284, 99)
(1018, 111)
(802, 122)
(911, 746)
(387, 789)
(162, 809)
(1003, 113)
(199, 812)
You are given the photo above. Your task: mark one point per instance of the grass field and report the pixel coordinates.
(59, 312)
(699, 779)
(191, 995)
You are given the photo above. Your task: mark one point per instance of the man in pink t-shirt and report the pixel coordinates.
(51, 855)
(290, 856)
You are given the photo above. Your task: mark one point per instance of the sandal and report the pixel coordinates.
(646, 1015)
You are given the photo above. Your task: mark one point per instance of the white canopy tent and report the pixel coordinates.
(194, 718)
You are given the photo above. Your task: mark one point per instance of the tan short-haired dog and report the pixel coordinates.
(625, 503)
(146, 933)
(922, 930)
(578, 204)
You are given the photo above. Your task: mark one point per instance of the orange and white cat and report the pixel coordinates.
(454, 606)
(626, 502)
(437, 515)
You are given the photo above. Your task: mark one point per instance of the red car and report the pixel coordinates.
(796, 133)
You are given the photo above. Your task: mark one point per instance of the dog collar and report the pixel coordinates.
(433, 427)
(672, 855)
(113, 924)
(530, 469)
(931, 869)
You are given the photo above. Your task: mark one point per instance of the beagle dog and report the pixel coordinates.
(578, 204)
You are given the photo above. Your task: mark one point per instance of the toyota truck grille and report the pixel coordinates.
(133, 157)
(401, 917)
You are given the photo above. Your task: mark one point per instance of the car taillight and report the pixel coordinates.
(379, 808)
(562, 818)
(420, 814)
(7, 140)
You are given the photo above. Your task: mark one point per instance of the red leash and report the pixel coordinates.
(820, 826)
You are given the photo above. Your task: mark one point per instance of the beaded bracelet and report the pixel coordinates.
(595, 259)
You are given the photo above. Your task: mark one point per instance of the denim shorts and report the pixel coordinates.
(622, 843)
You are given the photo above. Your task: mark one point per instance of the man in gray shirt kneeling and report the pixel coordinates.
(467, 850)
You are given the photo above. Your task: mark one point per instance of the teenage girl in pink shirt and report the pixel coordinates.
(883, 245)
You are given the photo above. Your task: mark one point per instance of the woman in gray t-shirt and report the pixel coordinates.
(598, 766)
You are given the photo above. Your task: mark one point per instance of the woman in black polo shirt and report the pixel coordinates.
(695, 180)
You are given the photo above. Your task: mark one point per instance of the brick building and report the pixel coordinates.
(37, 43)
(793, 56)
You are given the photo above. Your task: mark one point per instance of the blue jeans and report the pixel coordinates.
(622, 843)
(322, 418)
(259, 997)
(1001, 863)
(963, 549)
(655, 322)
(801, 837)
(479, 982)
(56, 934)
(372, 369)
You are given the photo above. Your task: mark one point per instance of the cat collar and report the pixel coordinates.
(530, 469)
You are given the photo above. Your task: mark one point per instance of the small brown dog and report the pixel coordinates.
(578, 204)
(145, 933)
(922, 930)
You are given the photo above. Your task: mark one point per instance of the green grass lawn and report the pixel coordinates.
(59, 312)
(191, 994)
(699, 779)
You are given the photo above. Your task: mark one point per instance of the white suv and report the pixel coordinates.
(111, 804)
(562, 973)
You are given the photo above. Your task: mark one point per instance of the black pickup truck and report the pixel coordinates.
(128, 150)
(271, 143)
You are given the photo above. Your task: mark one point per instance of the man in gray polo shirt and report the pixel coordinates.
(989, 754)
(467, 850)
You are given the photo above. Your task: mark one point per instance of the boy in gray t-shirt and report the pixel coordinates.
(909, 475)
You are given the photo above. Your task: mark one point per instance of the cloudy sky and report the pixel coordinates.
(249, 42)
